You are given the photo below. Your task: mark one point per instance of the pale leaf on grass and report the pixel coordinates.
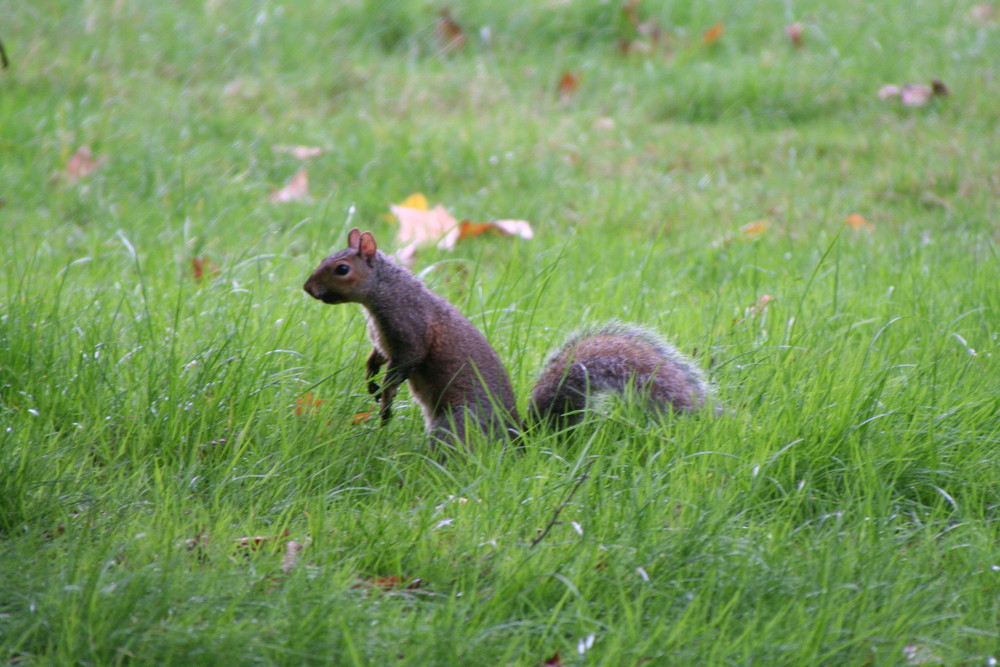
(291, 557)
(921, 654)
(298, 152)
(422, 226)
(794, 33)
(913, 95)
(519, 228)
(296, 190)
(983, 14)
(81, 165)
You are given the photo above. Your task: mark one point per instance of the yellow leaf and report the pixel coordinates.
(417, 200)
(753, 229)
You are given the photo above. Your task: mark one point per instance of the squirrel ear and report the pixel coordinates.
(354, 238)
(367, 246)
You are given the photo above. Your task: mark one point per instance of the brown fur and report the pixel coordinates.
(614, 358)
(453, 371)
(455, 374)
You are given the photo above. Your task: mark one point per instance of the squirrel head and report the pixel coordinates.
(345, 276)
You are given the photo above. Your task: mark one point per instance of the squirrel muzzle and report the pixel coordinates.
(323, 293)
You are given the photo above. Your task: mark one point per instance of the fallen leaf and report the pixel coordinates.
(915, 95)
(753, 229)
(298, 152)
(361, 417)
(202, 267)
(469, 229)
(856, 221)
(568, 83)
(888, 91)
(417, 200)
(712, 35)
(921, 654)
(747, 232)
(794, 34)
(450, 35)
(520, 228)
(291, 558)
(393, 582)
(81, 165)
(254, 543)
(647, 33)
(983, 13)
(297, 189)
(307, 403)
(422, 226)
(554, 661)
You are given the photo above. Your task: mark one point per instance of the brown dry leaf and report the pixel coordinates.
(568, 83)
(291, 558)
(392, 582)
(450, 35)
(422, 226)
(81, 165)
(297, 189)
(202, 267)
(794, 33)
(254, 543)
(857, 221)
(554, 661)
(361, 417)
(520, 228)
(306, 404)
(298, 152)
(469, 229)
(712, 35)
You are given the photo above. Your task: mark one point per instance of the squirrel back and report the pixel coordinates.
(454, 373)
(613, 358)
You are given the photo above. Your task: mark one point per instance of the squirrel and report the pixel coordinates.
(457, 376)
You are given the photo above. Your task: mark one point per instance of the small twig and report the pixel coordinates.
(555, 516)
(3, 57)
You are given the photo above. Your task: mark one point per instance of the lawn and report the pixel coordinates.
(186, 474)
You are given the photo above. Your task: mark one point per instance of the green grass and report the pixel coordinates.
(843, 510)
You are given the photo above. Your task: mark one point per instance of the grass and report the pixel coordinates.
(842, 511)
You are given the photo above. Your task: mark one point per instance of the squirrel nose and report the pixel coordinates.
(313, 290)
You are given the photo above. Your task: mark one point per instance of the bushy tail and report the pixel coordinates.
(613, 358)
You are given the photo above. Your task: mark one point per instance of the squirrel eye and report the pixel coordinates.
(342, 269)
